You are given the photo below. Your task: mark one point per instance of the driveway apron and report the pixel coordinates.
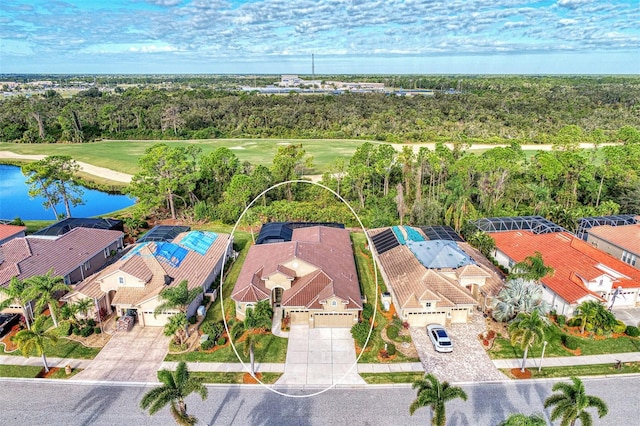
(320, 357)
(132, 356)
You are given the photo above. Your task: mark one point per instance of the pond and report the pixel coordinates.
(15, 200)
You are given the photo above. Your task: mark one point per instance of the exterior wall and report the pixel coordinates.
(605, 246)
(556, 302)
(278, 280)
(600, 285)
(95, 263)
(626, 298)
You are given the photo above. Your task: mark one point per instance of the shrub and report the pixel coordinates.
(97, 330)
(75, 330)
(206, 345)
(64, 329)
(491, 334)
(367, 311)
(620, 327)
(213, 329)
(91, 322)
(86, 332)
(221, 341)
(632, 331)
(392, 332)
(237, 330)
(360, 332)
(574, 322)
(391, 349)
(561, 320)
(571, 342)
(192, 319)
(206, 300)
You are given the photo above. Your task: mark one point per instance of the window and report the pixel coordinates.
(120, 280)
(106, 252)
(629, 258)
(334, 303)
(427, 305)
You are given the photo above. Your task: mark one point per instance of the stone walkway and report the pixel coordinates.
(468, 362)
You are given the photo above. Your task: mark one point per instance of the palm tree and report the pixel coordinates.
(435, 394)
(527, 329)
(256, 319)
(43, 289)
(587, 312)
(532, 268)
(176, 387)
(83, 306)
(522, 420)
(15, 292)
(178, 297)
(518, 295)
(571, 403)
(34, 339)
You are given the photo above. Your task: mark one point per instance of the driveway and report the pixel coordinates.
(468, 362)
(320, 357)
(133, 356)
(630, 316)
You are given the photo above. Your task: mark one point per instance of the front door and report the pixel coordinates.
(276, 297)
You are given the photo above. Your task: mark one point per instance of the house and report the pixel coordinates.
(432, 280)
(9, 232)
(581, 271)
(74, 255)
(312, 278)
(132, 284)
(621, 242)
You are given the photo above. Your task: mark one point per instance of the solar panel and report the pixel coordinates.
(385, 241)
(439, 232)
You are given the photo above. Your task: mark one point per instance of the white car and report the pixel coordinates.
(440, 338)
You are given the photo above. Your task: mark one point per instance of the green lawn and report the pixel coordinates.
(581, 370)
(233, 378)
(268, 348)
(367, 281)
(502, 347)
(383, 378)
(31, 372)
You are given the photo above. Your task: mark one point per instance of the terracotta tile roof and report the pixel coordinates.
(327, 249)
(627, 237)
(572, 259)
(152, 269)
(8, 231)
(413, 284)
(29, 256)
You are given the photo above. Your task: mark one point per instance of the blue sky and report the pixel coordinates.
(346, 36)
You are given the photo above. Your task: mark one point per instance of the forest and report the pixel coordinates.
(525, 109)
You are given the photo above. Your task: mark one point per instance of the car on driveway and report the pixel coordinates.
(7, 321)
(440, 338)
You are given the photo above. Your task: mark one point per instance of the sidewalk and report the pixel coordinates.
(37, 361)
(566, 361)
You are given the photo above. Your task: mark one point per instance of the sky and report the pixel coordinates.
(345, 37)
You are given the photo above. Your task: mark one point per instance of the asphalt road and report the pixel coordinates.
(56, 403)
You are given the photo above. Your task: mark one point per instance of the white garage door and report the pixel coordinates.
(299, 318)
(421, 319)
(459, 316)
(332, 319)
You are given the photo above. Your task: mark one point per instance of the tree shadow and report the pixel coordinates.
(97, 401)
(491, 403)
(278, 409)
(231, 396)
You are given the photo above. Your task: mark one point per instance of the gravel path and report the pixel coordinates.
(468, 362)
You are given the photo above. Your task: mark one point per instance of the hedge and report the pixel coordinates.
(571, 342)
(391, 349)
(392, 332)
(632, 331)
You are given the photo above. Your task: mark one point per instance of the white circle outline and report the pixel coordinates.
(375, 271)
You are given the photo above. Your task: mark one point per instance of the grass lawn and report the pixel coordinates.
(31, 372)
(581, 370)
(502, 347)
(367, 281)
(233, 378)
(268, 348)
(382, 378)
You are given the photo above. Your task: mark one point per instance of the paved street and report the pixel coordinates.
(63, 403)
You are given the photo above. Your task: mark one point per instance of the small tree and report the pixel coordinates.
(532, 268)
(178, 297)
(34, 339)
(571, 403)
(176, 387)
(587, 312)
(518, 295)
(522, 420)
(258, 318)
(435, 394)
(527, 329)
(176, 326)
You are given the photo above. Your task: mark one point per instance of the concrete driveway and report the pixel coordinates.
(468, 362)
(320, 357)
(630, 316)
(133, 356)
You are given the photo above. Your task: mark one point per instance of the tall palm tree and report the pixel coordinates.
(14, 294)
(435, 394)
(258, 318)
(571, 403)
(532, 268)
(527, 329)
(43, 289)
(33, 340)
(178, 297)
(587, 312)
(176, 387)
(518, 295)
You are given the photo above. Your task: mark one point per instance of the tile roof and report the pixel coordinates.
(29, 256)
(327, 249)
(7, 231)
(151, 268)
(627, 237)
(572, 259)
(414, 284)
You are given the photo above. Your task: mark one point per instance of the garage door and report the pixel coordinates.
(421, 319)
(459, 316)
(299, 318)
(333, 319)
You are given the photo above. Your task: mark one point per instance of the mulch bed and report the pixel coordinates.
(521, 375)
(43, 375)
(9, 345)
(247, 379)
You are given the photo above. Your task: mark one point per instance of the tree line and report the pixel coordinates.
(480, 109)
